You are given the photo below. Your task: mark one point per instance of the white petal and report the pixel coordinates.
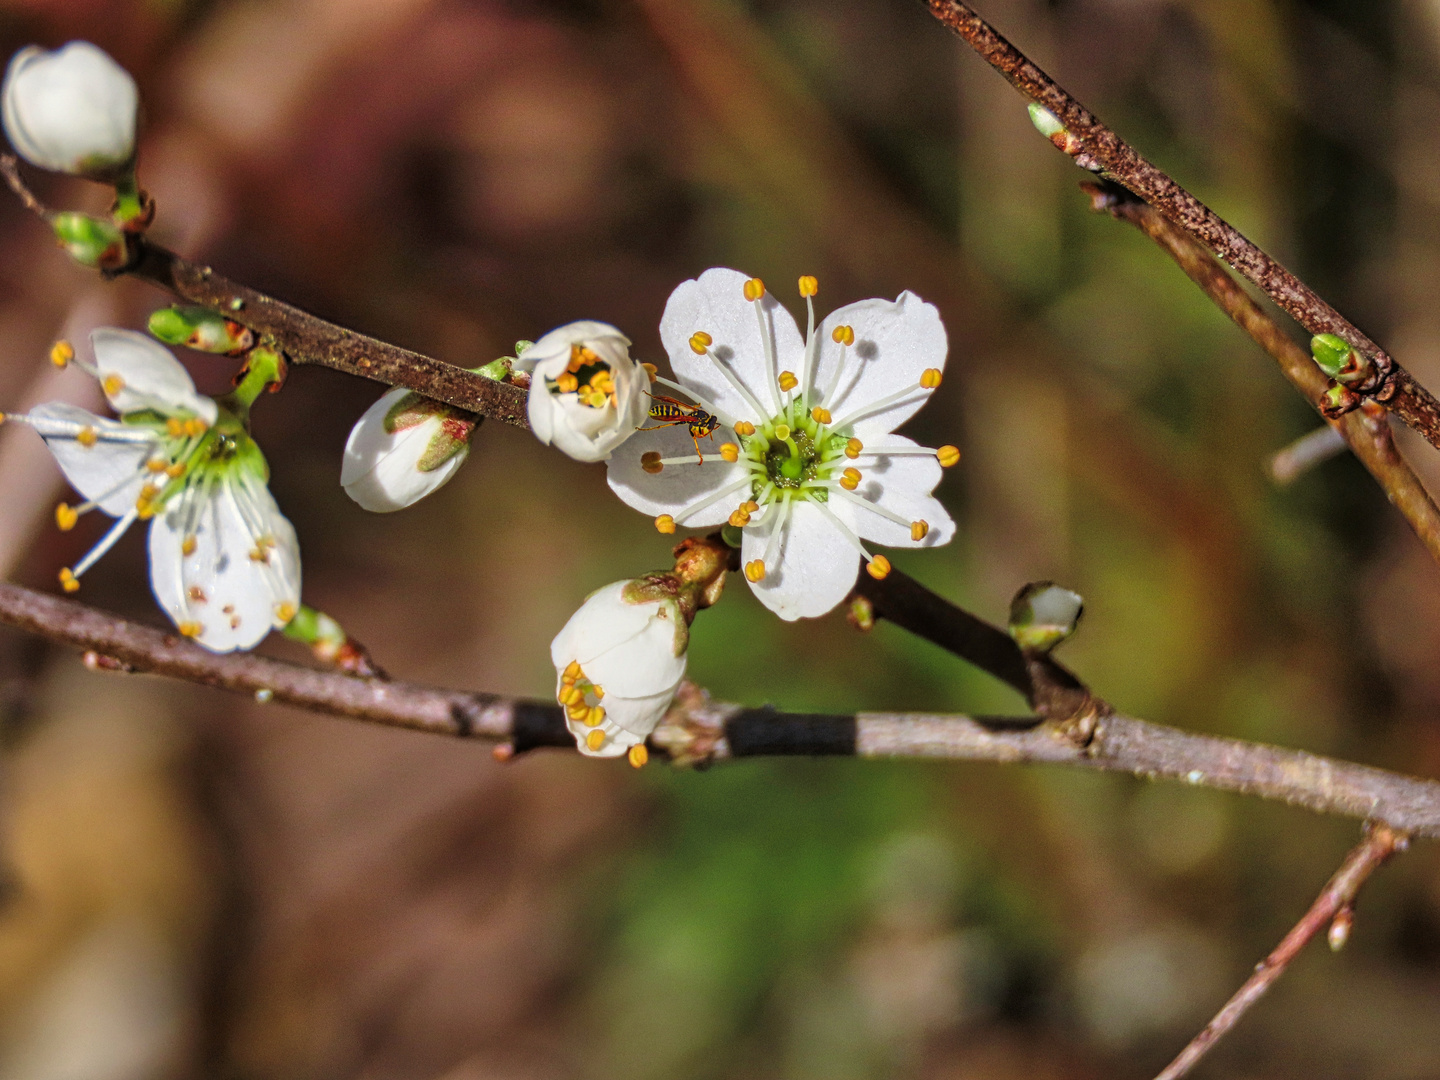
(380, 469)
(715, 303)
(607, 341)
(236, 599)
(816, 566)
(646, 663)
(894, 343)
(108, 472)
(902, 484)
(677, 486)
(72, 110)
(149, 376)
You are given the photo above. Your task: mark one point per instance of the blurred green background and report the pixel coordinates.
(199, 885)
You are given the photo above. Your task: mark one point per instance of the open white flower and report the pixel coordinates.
(71, 111)
(618, 663)
(807, 464)
(587, 395)
(403, 448)
(224, 562)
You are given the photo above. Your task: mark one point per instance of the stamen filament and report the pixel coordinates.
(873, 507)
(106, 542)
(711, 500)
(771, 371)
(845, 530)
(877, 406)
(735, 382)
(774, 544)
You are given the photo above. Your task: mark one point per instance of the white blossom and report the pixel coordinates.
(618, 663)
(587, 395)
(403, 448)
(224, 561)
(807, 464)
(72, 110)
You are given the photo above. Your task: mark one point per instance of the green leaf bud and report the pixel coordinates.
(1046, 122)
(90, 241)
(1339, 359)
(200, 328)
(1044, 614)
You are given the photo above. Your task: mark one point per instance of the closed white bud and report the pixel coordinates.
(587, 395)
(618, 663)
(72, 110)
(402, 449)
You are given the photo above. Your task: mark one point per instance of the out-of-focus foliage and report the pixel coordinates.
(204, 886)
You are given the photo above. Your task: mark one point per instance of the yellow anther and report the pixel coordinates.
(187, 547)
(601, 380)
(285, 611)
(850, 479)
(570, 695)
(61, 353)
(87, 436)
(820, 415)
(597, 690)
(750, 506)
(948, 455)
(930, 378)
(919, 529)
(174, 428)
(156, 464)
(740, 518)
(788, 381)
(190, 629)
(577, 711)
(745, 428)
(112, 385)
(651, 463)
(665, 524)
(2, 418)
(843, 335)
(754, 289)
(175, 470)
(755, 571)
(782, 431)
(809, 286)
(65, 517)
(594, 716)
(652, 371)
(878, 568)
(638, 755)
(573, 670)
(700, 341)
(68, 581)
(566, 383)
(595, 739)
(853, 448)
(145, 509)
(148, 492)
(195, 428)
(729, 451)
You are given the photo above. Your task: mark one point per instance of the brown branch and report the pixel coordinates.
(1365, 430)
(698, 729)
(1335, 901)
(1096, 146)
(305, 338)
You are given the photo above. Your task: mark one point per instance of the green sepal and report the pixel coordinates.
(89, 241)
(312, 627)
(1044, 614)
(200, 328)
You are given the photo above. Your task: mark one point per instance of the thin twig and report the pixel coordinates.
(699, 730)
(1365, 430)
(1100, 148)
(306, 338)
(1337, 898)
(1315, 447)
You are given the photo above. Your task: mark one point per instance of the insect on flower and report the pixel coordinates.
(672, 413)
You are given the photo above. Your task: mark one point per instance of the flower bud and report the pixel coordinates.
(587, 395)
(200, 328)
(72, 111)
(1043, 614)
(618, 662)
(403, 448)
(90, 241)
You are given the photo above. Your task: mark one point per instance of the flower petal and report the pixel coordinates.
(677, 486)
(234, 596)
(816, 566)
(645, 664)
(380, 469)
(110, 471)
(603, 621)
(715, 303)
(72, 110)
(146, 374)
(894, 343)
(902, 485)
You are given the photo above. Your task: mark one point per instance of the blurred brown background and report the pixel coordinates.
(197, 885)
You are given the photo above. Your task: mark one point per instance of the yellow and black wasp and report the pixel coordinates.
(671, 413)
